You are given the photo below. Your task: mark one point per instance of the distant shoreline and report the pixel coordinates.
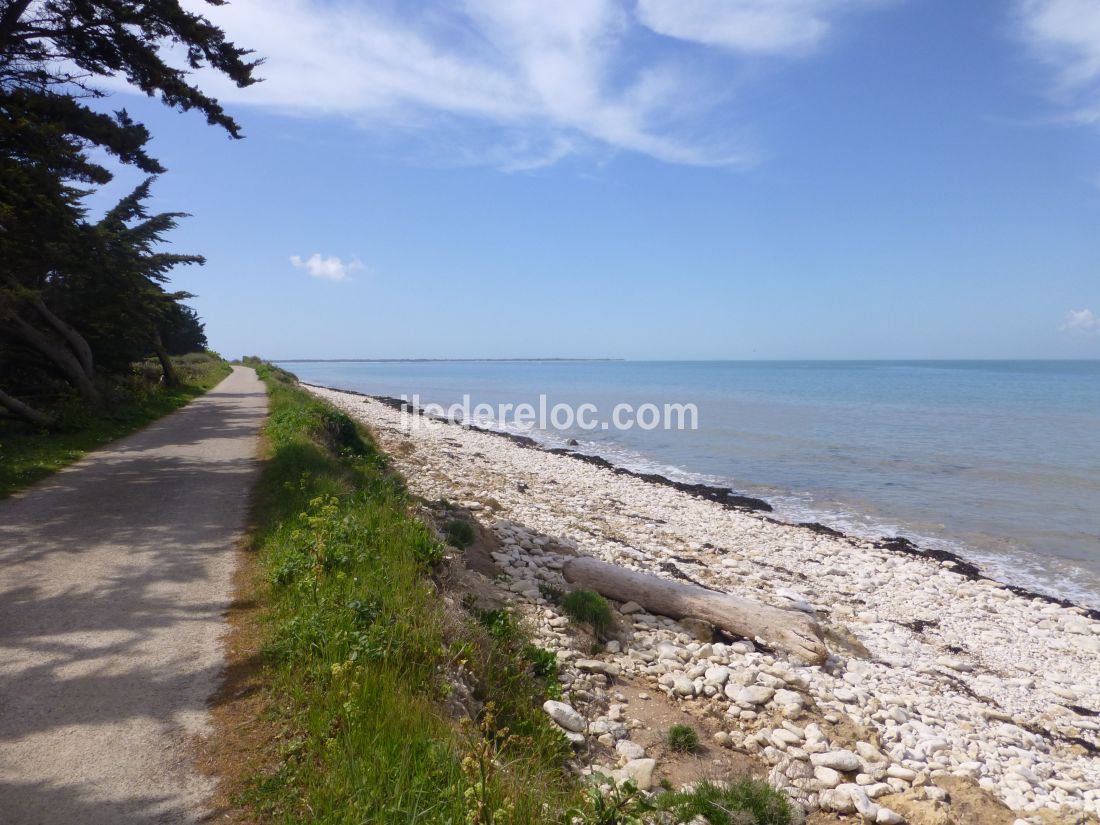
(423, 360)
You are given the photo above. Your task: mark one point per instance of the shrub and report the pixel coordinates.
(341, 433)
(683, 739)
(589, 608)
(460, 533)
(621, 805)
(743, 802)
(551, 593)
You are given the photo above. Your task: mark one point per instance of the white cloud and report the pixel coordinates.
(754, 26)
(517, 83)
(1065, 34)
(1081, 322)
(329, 269)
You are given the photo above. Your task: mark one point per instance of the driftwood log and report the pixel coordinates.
(791, 631)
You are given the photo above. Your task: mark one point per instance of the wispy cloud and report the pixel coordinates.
(1081, 322)
(329, 269)
(784, 27)
(523, 83)
(1065, 35)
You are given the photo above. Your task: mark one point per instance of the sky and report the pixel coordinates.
(650, 179)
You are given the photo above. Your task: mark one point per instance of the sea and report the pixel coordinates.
(997, 461)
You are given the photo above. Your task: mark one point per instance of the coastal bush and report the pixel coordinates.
(612, 804)
(683, 739)
(588, 607)
(358, 645)
(742, 802)
(460, 533)
(551, 593)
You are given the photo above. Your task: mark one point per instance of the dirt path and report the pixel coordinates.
(114, 578)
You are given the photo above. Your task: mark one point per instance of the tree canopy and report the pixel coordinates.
(82, 299)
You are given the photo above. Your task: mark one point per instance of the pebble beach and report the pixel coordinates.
(935, 677)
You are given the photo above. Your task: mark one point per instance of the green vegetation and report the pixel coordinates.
(460, 533)
(81, 299)
(28, 453)
(617, 805)
(590, 608)
(552, 593)
(362, 653)
(744, 802)
(683, 739)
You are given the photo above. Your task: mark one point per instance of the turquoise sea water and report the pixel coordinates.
(996, 460)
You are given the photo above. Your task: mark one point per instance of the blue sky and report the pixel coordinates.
(647, 179)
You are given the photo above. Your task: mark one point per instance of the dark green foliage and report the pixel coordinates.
(621, 805)
(341, 433)
(460, 533)
(551, 593)
(544, 662)
(56, 45)
(743, 802)
(181, 330)
(81, 301)
(590, 608)
(683, 739)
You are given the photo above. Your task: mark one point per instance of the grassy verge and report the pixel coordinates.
(365, 662)
(384, 701)
(28, 454)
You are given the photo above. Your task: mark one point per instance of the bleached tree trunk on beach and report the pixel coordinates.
(791, 631)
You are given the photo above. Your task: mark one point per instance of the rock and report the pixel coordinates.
(837, 800)
(754, 695)
(596, 666)
(564, 715)
(901, 772)
(788, 698)
(629, 750)
(723, 739)
(683, 686)
(869, 753)
(717, 676)
(668, 651)
(863, 805)
(840, 760)
(887, 817)
(630, 607)
(641, 772)
(827, 777)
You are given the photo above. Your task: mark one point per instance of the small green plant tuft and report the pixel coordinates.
(544, 662)
(683, 739)
(460, 533)
(743, 802)
(588, 607)
(551, 593)
(621, 805)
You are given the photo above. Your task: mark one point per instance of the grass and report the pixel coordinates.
(28, 453)
(460, 533)
(590, 608)
(743, 802)
(683, 739)
(362, 654)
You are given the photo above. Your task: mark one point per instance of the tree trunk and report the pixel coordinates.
(25, 411)
(788, 630)
(171, 379)
(61, 356)
(75, 340)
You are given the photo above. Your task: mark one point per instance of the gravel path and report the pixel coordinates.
(114, 577)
